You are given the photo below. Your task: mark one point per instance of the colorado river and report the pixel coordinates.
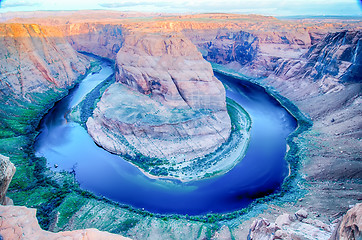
(68, 145)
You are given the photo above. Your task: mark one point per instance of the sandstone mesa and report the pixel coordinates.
(178, 111)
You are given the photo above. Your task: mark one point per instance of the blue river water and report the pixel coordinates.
(261, 172)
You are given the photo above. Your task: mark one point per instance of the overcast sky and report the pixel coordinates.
(265, 7)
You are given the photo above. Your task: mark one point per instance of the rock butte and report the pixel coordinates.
(179, 111)
(316, 63)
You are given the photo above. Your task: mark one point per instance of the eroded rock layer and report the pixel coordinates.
(166, 103)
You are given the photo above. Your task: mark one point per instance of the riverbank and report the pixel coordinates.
(214, 164)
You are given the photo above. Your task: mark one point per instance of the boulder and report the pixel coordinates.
(7, 171)
(351, 225)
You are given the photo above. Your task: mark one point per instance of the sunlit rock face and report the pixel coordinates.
(35, 59)
(351, 224)
(165, 104)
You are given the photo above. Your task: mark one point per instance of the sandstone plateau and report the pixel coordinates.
(313, 62)
(165, 104)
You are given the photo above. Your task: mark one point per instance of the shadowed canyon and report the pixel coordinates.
(176, 96)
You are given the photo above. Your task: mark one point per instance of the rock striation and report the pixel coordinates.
(165, 104)
(328, 65)
(35, 59)
(37, 66)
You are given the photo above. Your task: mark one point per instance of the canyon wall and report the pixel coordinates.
(332, 63)
(325, 86)
(36, 58)
(166, 103)
(37, 64)
(103, 40)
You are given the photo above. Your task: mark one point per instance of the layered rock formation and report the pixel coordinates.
(328, 64)
(36, 58)
(166, 103)
(37, 65)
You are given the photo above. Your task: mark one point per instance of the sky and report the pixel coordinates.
(264, 7)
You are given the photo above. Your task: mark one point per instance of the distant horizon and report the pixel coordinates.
(276, 8)
(186, 13)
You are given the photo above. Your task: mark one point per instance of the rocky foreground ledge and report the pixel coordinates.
(20, 223)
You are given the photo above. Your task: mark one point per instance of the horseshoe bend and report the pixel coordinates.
(203, 126)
